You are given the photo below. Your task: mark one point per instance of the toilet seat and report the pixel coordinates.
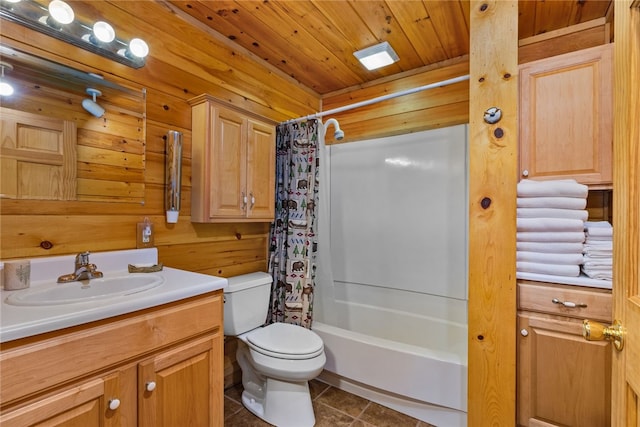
(285, 341)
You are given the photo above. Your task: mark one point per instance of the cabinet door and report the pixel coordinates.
(566, 107)
(562, 379)
(183, 386)
(261, 153)
(85, 405)
(228, 164)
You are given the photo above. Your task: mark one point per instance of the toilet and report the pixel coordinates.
(277, 360)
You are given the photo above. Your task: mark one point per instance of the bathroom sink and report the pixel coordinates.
(85, 290)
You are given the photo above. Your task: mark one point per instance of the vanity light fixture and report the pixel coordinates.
(137, 48)
(60, 12)
(102, 33)
(5, 88)
(377, 56)
(57, 19)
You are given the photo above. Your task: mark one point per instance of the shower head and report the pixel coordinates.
(339, 133)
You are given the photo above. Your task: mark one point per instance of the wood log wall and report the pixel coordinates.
(184, 63)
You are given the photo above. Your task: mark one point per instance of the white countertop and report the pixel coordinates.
(23, 321)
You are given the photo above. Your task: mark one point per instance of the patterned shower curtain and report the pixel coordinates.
(293, 240)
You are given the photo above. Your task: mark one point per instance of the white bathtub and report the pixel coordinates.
(428, 384)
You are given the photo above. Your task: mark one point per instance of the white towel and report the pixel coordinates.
(598, 262)
(551, 202)
(549, 224)
(552, 213)
(553, 269)
(598, 254)
(598, 229)
(555, 188)
(550, 247)
(567, 259)
(550, 236)
(597, 224)
(598, 273)
(598, 239)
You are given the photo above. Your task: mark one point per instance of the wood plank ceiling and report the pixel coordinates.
(313, 40)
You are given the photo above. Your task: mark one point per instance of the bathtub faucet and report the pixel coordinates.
(83, 270)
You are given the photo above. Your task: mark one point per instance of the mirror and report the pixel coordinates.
(68, 134)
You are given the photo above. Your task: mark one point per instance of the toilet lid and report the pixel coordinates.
(286, 341)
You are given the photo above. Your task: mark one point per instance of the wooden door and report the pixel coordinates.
(38, 156)
(183, 386)
(626, 213)
(261, 153)
(228, 164)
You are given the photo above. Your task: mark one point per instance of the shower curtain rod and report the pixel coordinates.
(379, 99)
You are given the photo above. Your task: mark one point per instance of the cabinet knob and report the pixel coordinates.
(114, 404)
(150, 386)
(524, 332)
(525, 173)
(253, 200)
(244, 200)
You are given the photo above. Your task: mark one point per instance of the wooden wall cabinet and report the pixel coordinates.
(233, 164)
(159, 367)
(562, 379)
(566, 117)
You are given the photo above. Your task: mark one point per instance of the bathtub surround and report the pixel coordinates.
(395, 294)
(293, 237)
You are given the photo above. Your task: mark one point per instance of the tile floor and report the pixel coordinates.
(333, 408)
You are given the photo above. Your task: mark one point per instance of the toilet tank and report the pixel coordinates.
(246, 302)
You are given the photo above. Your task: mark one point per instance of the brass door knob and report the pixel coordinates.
(594, 331)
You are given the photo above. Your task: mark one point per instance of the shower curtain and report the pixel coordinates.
(293, 236)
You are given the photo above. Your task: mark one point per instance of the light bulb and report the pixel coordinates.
(61, 12)
(104, 32)
(5, 89)
(138, 48)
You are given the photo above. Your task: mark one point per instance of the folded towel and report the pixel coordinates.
(552, 213)
(599, 244)
(550, 247)
(567, 259)
(549, 224)
(602, 274)
(554, 269)
(589, 262)
(550, 236)
(555, 188)
(597, 224)
(601, 239)
(551, 202)
(598, 229)
(598, 255)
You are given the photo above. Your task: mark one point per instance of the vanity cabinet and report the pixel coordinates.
(562, 379)
(233, 164)
(566, 117)
(157, 367)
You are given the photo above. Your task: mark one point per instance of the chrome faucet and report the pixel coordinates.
(83, 271)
